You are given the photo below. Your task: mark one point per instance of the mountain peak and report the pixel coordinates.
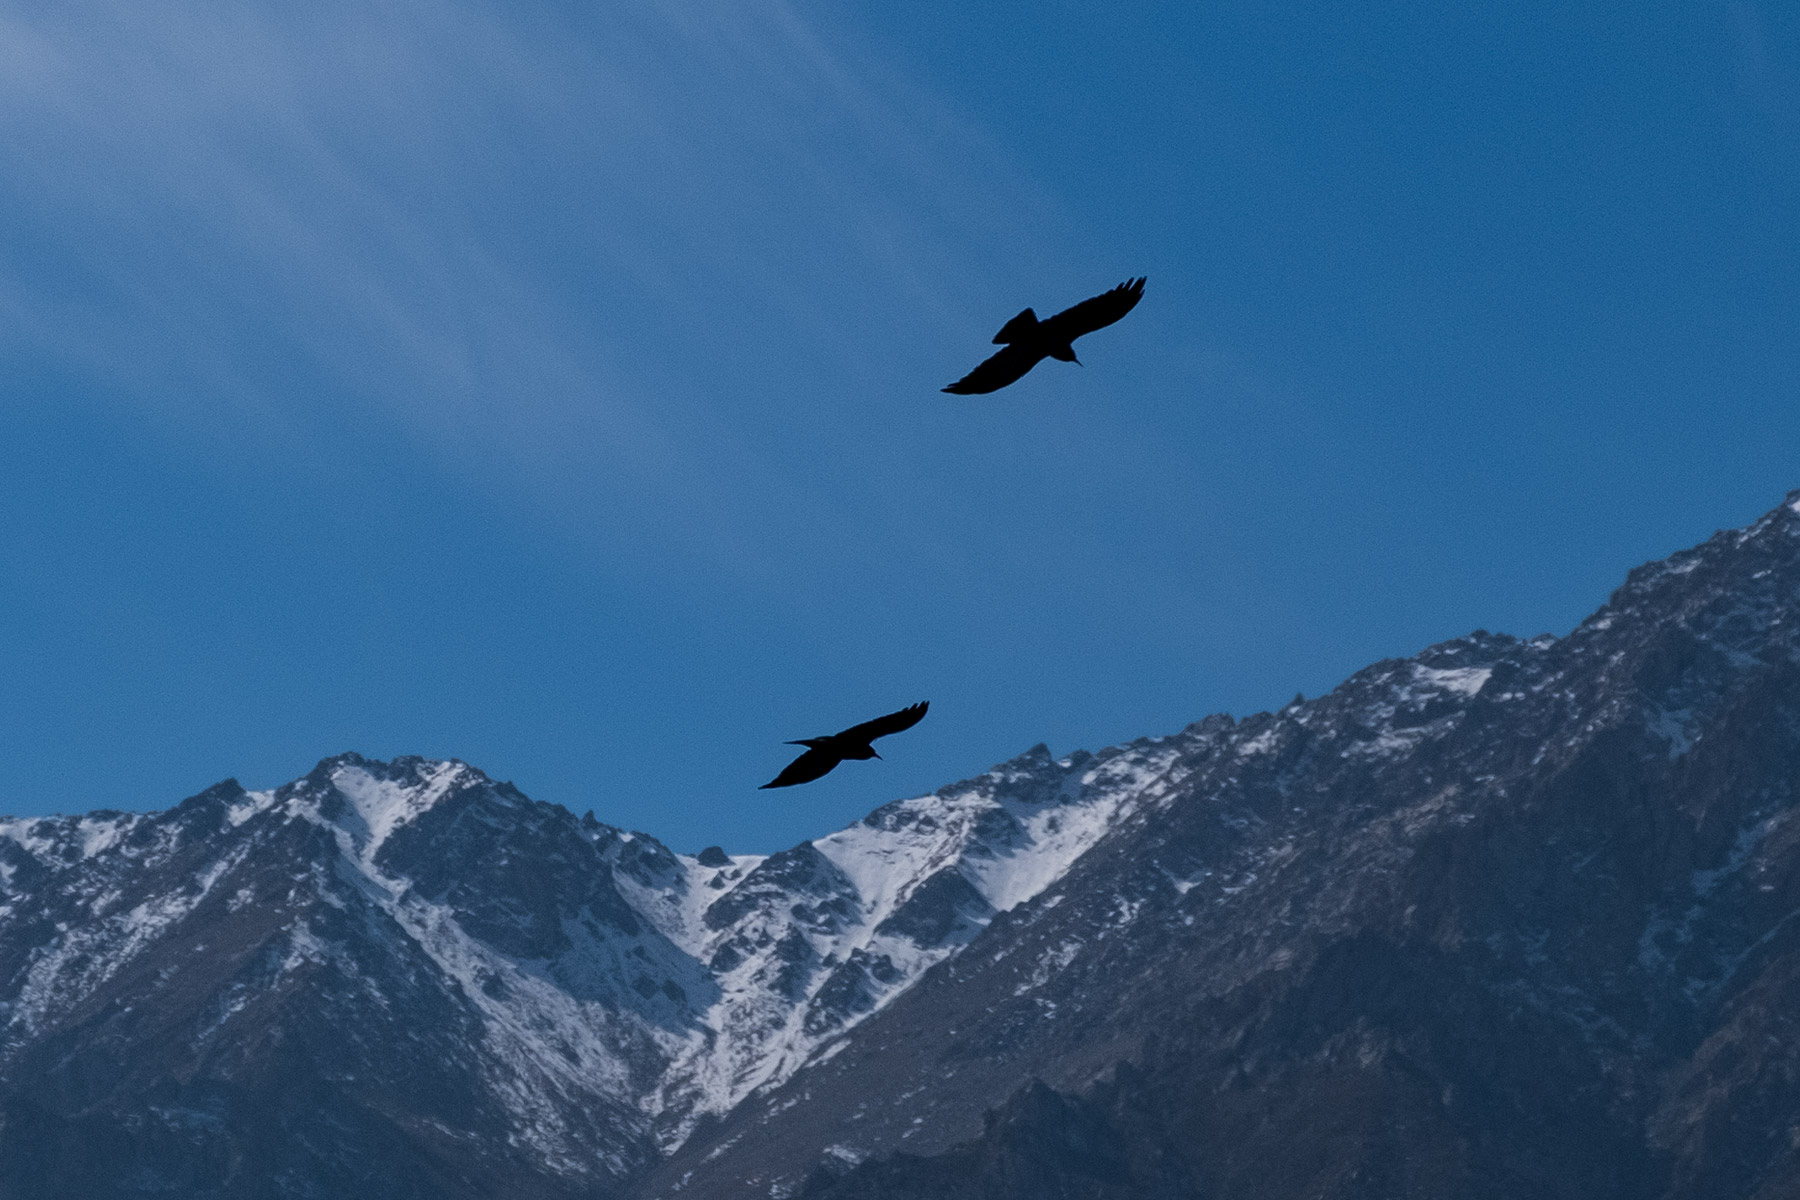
(369, 799)
(403, 769)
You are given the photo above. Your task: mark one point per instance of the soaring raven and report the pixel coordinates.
(1028, 341)
(824, 753)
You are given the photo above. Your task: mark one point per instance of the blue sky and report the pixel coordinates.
(556, 386)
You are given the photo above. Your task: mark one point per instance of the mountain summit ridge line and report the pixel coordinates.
(411, 975)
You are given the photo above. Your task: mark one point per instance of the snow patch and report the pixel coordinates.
(100, 835)
(1049, 963)
(1466, 681)
(29, 834)
(1675, 726)
(676, 906)
(385, 805)
(249, 805)
(1262, 743)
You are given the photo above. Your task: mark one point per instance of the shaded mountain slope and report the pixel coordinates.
(1510, 918)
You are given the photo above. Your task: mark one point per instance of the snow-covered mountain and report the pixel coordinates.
(1510, 918)
(459, 967)
(1505, 919)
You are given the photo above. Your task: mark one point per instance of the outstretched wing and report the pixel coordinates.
(998, 371)
(808, 767)
(1097, 313)
(868, 731)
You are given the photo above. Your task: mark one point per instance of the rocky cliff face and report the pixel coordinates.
(1509, 918)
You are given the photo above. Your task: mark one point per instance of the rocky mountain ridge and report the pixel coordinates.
(1509, 918)
(582, 993)
(1506, 919)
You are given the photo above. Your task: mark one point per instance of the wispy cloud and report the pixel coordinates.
(552, 239)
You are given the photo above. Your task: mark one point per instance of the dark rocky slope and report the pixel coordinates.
(1508, 919)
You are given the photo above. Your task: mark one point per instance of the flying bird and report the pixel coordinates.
(824, 753)
(1028, 341)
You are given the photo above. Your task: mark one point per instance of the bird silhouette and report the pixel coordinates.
(824, 753)
(1028, 341)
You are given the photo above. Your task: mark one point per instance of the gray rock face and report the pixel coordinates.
(1508, 918)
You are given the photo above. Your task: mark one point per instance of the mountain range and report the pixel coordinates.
(1508, 918)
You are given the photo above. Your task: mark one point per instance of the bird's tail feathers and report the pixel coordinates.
(809, 743)
(1019, 327)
